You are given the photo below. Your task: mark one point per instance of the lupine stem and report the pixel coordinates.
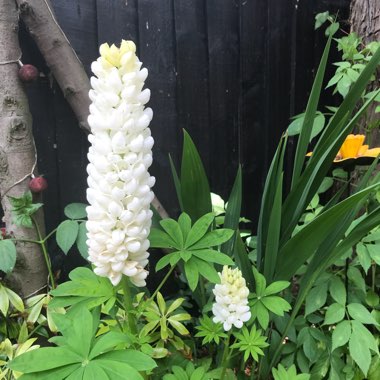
(129, 305)
(162, 282)
(225, 355)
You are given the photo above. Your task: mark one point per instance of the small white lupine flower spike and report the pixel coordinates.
(119, 193)
(231, 299)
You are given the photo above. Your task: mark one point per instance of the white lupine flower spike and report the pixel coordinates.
(231, 299)
(119, 193)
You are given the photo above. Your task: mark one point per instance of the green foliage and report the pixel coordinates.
(193, 245)
(85, 288)
(263, 300)
(191, 372)
(79, 353)
(9, 298)
(161, 316)
(8, 255)
(210, 331)
(23, 208)
(280, 373)
(250, 342)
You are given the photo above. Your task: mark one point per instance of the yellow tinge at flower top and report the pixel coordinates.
(353, 148)
(114, 56)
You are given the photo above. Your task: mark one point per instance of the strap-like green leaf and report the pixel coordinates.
(195, 189)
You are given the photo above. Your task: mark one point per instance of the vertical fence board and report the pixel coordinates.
(223, 47)
(252, 119)
(192, 74)
(157, 52)
(116, 20)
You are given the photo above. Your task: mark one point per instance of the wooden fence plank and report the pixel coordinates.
(252, 119)
(116, 20)
(156, 50)
(192, 74)
(223, 47)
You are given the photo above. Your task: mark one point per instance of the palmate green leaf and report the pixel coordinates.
(136, 359)
(184, 222)
(199, 229)
(192, 274)
(67, 233)
(233, 210)
(261, 313)
(213, 256)
(290, 374)
(85, 287)
(276, 287)
(213, 238)
(170, 258)
(295, 126)
(160, 239)
(260, 282)
(207, 270)
(276, 305)
(195, 189)
(173, 229)
(108, 341)
(55, 373)
(359, 351)
(44, 359)
(8, 255)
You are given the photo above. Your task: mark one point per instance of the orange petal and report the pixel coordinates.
(362, 150)
(351, 146)
(374, 152)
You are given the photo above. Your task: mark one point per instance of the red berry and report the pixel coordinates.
(28, 73)
(3, 232)
(38, 184)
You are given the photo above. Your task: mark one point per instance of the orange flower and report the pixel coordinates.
(353, 148)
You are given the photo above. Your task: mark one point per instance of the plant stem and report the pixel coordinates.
(162, 282)
(129, 305)
(373, 276)
(25, 241)
(45, 252)
(224, 362)
(49, 234)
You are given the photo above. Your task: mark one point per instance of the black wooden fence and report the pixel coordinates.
(231, 72)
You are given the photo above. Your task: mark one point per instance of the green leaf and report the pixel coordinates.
(14, 299)
(107, 342)
(168, 259)
(334, 313)
(207, 270)
(160, 239)
(67, 233)
(177, 182)
(44, 359)
(199, 229)
(233, 210)
(76, 211)
(260, 312)
(192, 274)
(242, 260)
(356, 278)
(359, 352)
(295, 126)
(213, 238)
(184, 222)
(316, 298)
(341, 334)
(374, 252)
(358, 312)
(308, 122)
(276, 287)
(276, 305)
(195, 189)
(213, 256)
(172, 228)
(81, 240)
(337, 290)
(8, 255)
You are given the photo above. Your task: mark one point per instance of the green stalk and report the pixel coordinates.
(45, 252)
(128, 305)
(225, 356)
(162, 282)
